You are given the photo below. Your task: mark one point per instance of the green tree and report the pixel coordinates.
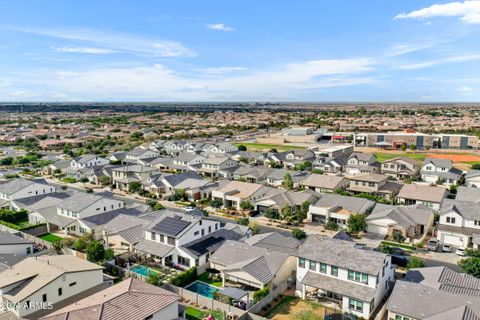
(244, 221)
(403, 147)
(84, 180)
(287, 213)
(243, 159)
(216, 203)
(246, 205)
(356, 223)
(255, 228)
(153, 278)
(298, 234)
(412, 147)
(80, 245)
(471, 264)
(109, 254)
(331, 225)
(158, 206)
(272, 214)
(6, 161)
(398, 237)
(415, 263)
(104, 180)
(242, 147)
(180, 195)
(95, 251)
(134, 186)
(287, 181)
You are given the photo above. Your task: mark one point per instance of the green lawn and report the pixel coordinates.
(50, 237)
(382, 157)
(196, 314)
(399, 245)
(204, 278)
(266, 146)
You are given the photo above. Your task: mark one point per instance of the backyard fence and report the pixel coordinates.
(26, 236)
(269, 298)
(198, 299)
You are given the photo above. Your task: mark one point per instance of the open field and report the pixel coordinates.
(251, 146)
(462, 158)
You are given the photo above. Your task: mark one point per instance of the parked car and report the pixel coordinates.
(460, 252)
(400, 261)
(253, 213)
(359, 245)
(433, 245)
(446, 248)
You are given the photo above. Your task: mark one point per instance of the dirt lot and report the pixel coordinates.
(456, 157)
(294, 308)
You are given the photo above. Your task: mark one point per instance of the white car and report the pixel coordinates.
(460, 252)
(447, 248)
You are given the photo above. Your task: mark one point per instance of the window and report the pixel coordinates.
(196, 233)
(29, 250)
(171, 241)
(323, 268)
(200, 223)
(477, 222)
(162, 238)
(450, 219)
(334, 271)
(301, 262)
(357, 276)
(209, 229)
(216, 226)
(153, 236)
(44, 297)
(400, 317)
(60, 291)
(72, 284)
(183, 261)
(313, 265)
(355, 305)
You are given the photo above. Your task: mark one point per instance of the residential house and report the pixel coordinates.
(360, 163)
(440, 171)
(38, 283)
(251, 265)
(412, 222)
(357, 280)
(459, 223)
(131, 299)
(190, 182)
(274, 241)
(323, 183)
(14, 244)
(253, 174)
(338, 208)
(401, 168)
(123, 176)
(185, 160)
(224, 147)
(184, 239)
(472, 179)
(123, 232)
(24, 188)
(234, 192)
(297, 157)
(435, 293)
(88, 160)
(279, 200)
(117, 156)
(140, 153)
(374, 183)
(330, 165)
(430, 196)
(276, 177)
(212, 165)
(468, 194)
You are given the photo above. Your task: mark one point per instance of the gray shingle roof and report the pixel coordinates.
(8, 238)
(19, 184)
(404, 216)
(468, 210)
(468, 194)
(342, 254)
(352, 204)
(274, 241)
(422, 193)
(345, 288)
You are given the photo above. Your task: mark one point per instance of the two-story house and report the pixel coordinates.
(401, 168)
(459, 223)
(333, 270)
(359, 163)
(184, 240)
(298, 156)
(234, 193)
(440, 171)
(430, 196)
(185, 160)
(140, 154)
(374, 183)
(472, 178)
(35, 284)
(88, 160)
(211, 166)
(123, 176)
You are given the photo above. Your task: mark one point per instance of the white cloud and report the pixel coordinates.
(467, 11)
(220, 27)
(66, 74)
(221, 70)
(431, 63)
(465, 89)
(89, 50)
(114, 41)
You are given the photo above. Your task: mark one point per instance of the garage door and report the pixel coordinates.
(372, 228)
(455, 241)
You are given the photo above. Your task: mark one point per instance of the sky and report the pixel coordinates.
(209, 50)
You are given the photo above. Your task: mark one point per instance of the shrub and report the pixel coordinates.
(185, 277)
(260, 294)
(80, 245)
(216, 203)
(331, 225)
(13, 216)
(243, 221)
(272, 214)
(415, 263)
(298, 234)
(95, 251)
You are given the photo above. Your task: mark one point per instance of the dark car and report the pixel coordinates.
(253, 213)
(401, 261)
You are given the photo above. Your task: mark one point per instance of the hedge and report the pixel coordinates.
(13, 216)
(20, 228)
(185, 277)
(260, 294)
(403, 246)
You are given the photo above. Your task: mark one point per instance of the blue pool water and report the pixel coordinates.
(141, 270)
(203, 289)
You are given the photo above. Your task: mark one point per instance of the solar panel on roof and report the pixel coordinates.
(170, 226)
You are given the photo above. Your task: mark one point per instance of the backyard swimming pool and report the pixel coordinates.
(142, 270)
(203, 289)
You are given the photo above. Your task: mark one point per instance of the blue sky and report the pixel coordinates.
(202, 50)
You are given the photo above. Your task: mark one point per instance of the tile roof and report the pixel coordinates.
(323, 181)
(422, 193)
(8, 238)
(131, 299)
